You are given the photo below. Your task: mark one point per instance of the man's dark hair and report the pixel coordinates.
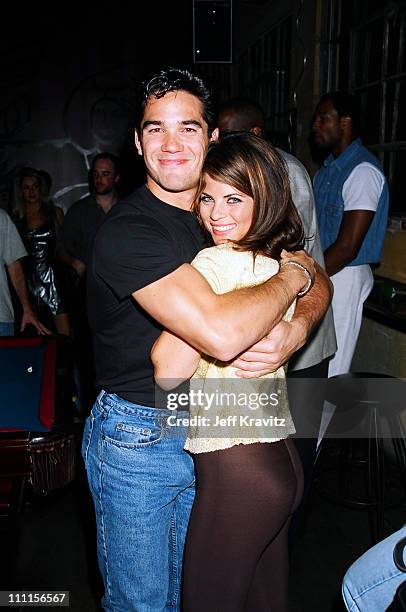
(249, 110)
(177, 79)
(106, 155)
(346, 105)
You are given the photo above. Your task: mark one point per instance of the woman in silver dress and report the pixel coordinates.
(38, 221)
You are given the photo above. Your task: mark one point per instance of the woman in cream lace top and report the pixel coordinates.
(249, 477)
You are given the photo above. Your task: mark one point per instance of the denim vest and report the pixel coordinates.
(328, 188)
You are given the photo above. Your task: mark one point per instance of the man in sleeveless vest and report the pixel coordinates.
(352, 208)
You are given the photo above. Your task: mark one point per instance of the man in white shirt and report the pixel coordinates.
(352, 207)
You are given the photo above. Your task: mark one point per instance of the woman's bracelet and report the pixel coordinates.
(290, 262)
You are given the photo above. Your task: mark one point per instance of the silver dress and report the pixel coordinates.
(41, 269)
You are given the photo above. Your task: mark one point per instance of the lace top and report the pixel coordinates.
(228, 410)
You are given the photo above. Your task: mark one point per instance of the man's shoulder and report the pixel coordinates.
(4, 217)
(365, 174)
(131, 218)
(80, 205)
(10, 240)
(135, 206)
(138, 201)
(6, 221)
(292, 162)
(359, 154)
(367, 168)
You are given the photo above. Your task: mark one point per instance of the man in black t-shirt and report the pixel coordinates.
(84, 216)
(75, 237)
(139, 282)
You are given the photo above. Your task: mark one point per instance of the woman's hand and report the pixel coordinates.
(174, 360)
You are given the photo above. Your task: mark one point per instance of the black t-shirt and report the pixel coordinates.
(141, 240)
(79, 226)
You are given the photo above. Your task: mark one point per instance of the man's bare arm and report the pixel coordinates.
(353, 229)
(313, 306)
(287, 337)
(221, 325)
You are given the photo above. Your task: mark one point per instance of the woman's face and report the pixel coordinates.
(30, 189)
(225, 211)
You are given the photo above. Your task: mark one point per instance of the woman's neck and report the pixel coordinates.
(34, 216)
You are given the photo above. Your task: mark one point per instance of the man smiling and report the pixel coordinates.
(139, 281)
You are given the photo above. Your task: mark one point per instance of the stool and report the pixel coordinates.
(365, 402)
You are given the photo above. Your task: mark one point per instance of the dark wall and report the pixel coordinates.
(69, 75)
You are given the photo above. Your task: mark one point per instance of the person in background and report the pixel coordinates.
(139, 281)
(38, 222)
(311, 361)
(84, 216)
(352, 202)
(373, 581)
(75, 238)
(249, 477)
(11, 251)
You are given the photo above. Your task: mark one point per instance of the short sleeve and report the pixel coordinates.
(131, 252)
(207, 263)
(12, 247)
(302, 195)
(363, 188)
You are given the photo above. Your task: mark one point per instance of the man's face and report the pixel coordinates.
(173, 141)
(327, 126)
(104, 177)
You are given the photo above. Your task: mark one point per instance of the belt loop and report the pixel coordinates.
(101, 403)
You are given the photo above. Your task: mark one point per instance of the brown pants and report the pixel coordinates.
(236, 557)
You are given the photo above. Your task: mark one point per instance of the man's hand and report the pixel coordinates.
(273, 351)
(79, 267)
(29, 318)
(286, 337)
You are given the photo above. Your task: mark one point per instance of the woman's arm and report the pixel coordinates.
(174, 360)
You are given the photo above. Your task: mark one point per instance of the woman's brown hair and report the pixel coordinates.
(251, 165)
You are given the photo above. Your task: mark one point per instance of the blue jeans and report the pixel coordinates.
(142, 483)
(371, 582)
(6, 329)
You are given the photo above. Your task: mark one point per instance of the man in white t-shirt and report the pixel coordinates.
(352, 208)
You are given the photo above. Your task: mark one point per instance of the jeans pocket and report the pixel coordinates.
(87, 436)
(132, 433)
